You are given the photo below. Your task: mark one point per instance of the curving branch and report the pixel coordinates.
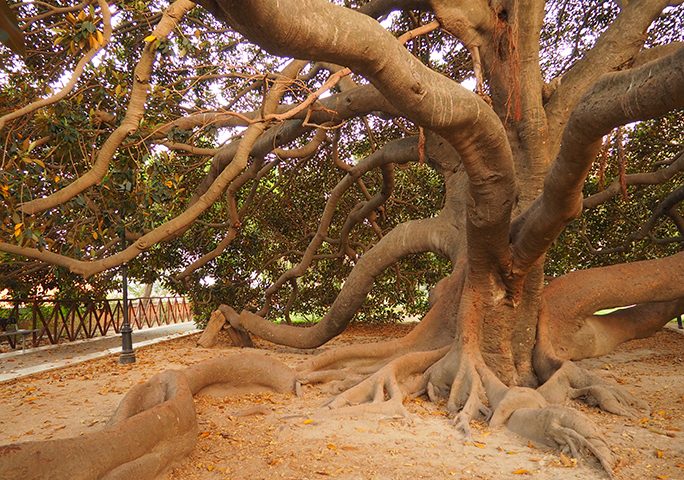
(191, 149)
(645, 92)
(75, 75)
(616, 47)
(443, 235)
(650, 178)
(677, 219)
(381, 8)
(599, 334)
(306, 150)
(415, 236)
(320, 31)
(208, 257)
(398, 151)
(52, 10)
(583, 292)
(130, 123)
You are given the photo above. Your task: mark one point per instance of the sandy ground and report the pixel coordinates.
(270, 436)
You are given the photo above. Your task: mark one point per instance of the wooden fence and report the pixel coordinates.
(67, 320)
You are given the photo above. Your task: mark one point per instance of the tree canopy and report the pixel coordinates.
(77, 86)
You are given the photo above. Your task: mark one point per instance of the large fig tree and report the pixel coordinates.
(368, 88)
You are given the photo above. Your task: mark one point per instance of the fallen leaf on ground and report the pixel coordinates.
(567, 461)
(521, 471)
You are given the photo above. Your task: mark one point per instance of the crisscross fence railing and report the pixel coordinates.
(66, 320)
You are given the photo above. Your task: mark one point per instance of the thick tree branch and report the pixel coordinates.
(650, 178)
(416, 236)
(621, 41)
(581, 293)
(381, 8)
(318, 30)
(76, 74)
(677, 219)
(130, 123)
(443, 235)
(600, 334)
(641, 93)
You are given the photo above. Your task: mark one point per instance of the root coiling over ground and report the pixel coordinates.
(154, 426)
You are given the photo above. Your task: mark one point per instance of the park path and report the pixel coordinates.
(20, 363)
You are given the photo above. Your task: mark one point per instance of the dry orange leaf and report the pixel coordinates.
(204, 434)
(567, 461)
(659, 454)
(479, 444)
(521, 471)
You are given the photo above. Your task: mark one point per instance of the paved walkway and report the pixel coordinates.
(20, 363)
(673, 326)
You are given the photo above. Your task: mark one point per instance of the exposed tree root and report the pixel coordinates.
(566, 380)
(562, 428)
(473, 391)
(348, 365)
(467, 398)
(573, 382)
(385, 390)
(526, 412)
(154, 426)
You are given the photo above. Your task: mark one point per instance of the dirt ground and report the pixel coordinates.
(271, 436)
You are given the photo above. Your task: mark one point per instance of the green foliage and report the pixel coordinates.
(648, 145)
